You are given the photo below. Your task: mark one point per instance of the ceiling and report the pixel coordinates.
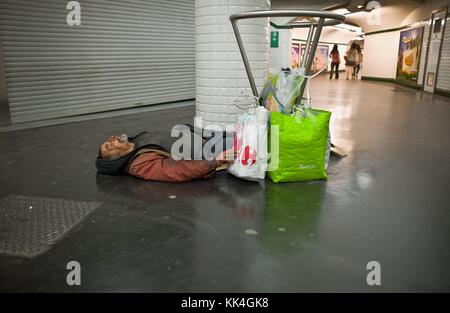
(391, 13)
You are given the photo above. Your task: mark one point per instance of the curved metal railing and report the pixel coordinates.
(319, 20)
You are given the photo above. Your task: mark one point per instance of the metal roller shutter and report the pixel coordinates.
(443, 75)
(124, 54)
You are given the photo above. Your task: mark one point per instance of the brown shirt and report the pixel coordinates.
(156, 167)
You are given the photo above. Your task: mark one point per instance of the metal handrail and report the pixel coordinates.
(334, 18)
(315, 29)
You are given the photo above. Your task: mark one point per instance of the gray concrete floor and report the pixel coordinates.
(387, 201)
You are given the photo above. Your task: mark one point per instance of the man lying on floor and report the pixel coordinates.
(144, 157)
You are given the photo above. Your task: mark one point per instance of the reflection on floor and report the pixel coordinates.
(386, 201)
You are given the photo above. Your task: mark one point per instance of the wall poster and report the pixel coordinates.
(295, 55)
(320, 59)
(409, 54)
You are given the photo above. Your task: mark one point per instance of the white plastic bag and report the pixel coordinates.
(281, 91)
(250, 144)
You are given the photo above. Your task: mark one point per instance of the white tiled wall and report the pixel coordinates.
(280, 57)
(380, 55)
(220, 72)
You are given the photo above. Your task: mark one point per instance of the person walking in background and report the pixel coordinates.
(359, 60)
(350, 61)
(335, 61)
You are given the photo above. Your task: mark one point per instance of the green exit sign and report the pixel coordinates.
(274, 39)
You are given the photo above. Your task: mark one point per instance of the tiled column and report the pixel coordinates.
(220, 72)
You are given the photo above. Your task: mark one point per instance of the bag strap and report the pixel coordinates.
(166, 154)
(147, 150)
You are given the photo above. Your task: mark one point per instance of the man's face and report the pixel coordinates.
(115, 147)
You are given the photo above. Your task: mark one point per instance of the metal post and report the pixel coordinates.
(308, 43)
(306, 55)
(311, 55)
(244, 58)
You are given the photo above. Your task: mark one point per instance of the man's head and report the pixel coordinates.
(115, 147)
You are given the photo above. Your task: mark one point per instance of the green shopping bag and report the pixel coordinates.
(302, 144)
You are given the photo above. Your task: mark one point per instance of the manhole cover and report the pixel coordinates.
(29, 226)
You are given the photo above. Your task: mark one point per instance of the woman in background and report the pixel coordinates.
(350, 60)
(335, 61)
(359, 60)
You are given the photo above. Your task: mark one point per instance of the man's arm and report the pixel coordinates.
(152, 166)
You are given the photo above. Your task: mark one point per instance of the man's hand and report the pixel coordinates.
(226, 156)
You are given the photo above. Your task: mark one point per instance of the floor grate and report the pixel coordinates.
(29, 226)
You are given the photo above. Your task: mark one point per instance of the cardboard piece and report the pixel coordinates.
(338, 150)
